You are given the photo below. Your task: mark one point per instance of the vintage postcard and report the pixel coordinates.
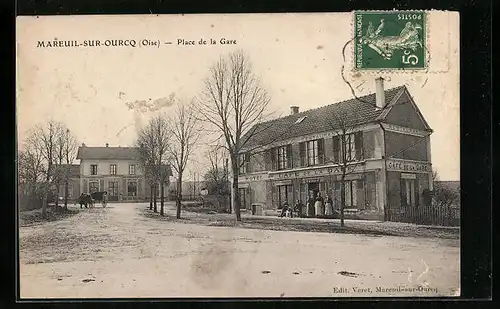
(239, 155)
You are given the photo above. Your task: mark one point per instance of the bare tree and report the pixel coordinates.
(185, 135)
(69, 149)
(162, 136)
(147, 157)
(46, 139)
(152, 144)
(30, 167)
(348, 148)
(233, 101)
(216, 176)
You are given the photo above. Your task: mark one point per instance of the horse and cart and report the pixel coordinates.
(89, 200)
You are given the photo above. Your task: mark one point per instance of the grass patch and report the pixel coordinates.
(27, 218)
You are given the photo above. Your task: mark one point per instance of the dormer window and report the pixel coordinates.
(300, 119)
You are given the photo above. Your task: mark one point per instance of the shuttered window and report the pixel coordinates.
(336, 149)
(303, 156)
(284, 157)
(358, 143)
(352, 145)
(314, 152)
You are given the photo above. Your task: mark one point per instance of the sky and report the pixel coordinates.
(299, 58)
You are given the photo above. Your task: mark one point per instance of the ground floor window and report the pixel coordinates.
(113, 188)
(285, 194)
(351, 196)
(355, 194)
(132, 188)
(408, 192)
(93, 186)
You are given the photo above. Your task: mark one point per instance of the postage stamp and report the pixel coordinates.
(390, 40)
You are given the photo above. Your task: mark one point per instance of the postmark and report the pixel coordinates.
(390, 40)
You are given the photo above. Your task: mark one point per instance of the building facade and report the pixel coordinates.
(381, 140)
(116, 170)
(73, 182)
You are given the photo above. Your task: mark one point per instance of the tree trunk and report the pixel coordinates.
(342, 201)
(162, 200)
(44, 203)
(151, 197)
(66, 195)
(179, 196)
(155, 209)
(56, 197)
(236, 197)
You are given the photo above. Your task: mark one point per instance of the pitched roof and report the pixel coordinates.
(352, 112)
(74, 169)
(118, 153)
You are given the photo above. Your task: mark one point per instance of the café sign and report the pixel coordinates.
(404, 130)
(408, 166)
(312, 172)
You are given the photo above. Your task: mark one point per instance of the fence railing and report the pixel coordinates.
(429, 215)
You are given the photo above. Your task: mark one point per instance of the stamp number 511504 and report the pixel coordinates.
(390, 40)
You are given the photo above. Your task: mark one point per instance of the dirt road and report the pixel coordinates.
(117, 252)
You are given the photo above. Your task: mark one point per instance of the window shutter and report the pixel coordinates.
(101, 185)
(124, 190)
(289, 156)
(358, 142)
(321, 152)
(302, 154)
(267, 160)
(85, 186)
(336, 149)
(403, 192)
(360, 194)
(273, 159)
(417, 193)
(247, 162)
(289, 195)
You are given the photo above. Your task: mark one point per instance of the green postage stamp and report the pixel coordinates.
(390, 40)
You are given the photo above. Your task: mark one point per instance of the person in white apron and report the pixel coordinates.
(328, 206)
(318, 205)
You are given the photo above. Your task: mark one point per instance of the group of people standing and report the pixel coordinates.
(316, 206)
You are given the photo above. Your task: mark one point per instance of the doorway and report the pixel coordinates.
(113, 190)
(313, 188)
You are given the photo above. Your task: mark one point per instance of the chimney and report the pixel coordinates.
(379, 92)
(107, 145)
(83, 144)
(294, 110)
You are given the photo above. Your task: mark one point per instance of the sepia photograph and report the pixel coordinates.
(238, 155)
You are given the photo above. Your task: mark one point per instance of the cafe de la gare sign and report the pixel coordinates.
(408, 166)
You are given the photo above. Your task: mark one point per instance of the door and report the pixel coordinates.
(113, 190)
(314, 188)
(243, 198)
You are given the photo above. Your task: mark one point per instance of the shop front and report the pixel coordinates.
(303, 185)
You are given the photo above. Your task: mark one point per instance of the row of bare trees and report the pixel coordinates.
(230, 104)
(45, 161)
(168, 142)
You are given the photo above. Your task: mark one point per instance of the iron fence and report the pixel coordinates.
(430, 215)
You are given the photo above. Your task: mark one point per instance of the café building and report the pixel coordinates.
(380, 143)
